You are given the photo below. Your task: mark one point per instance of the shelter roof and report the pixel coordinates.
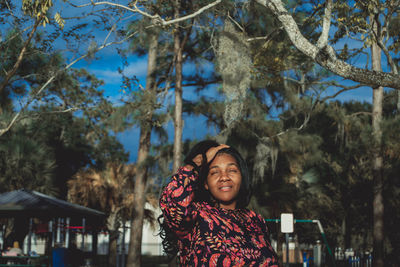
(28, 203)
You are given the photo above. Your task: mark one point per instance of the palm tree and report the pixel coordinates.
(110, 190)
(25, 162)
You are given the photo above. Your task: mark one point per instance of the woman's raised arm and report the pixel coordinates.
(176, 201)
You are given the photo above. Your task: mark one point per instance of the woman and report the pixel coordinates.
(205, 219)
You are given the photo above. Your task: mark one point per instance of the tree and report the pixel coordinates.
(38, 12)
(344, 173)
(189, 44)
(19, 52)
(150, 99)
(111, 191)
(134, 254)
(25, 161)
(178, 58)
(379, 14)
(391, 185)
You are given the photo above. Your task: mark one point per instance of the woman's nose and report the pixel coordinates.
(224, 176)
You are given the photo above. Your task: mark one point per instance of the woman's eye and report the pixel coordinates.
(213, 173)
(233, 170)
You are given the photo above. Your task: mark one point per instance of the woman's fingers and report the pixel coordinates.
(212, 151)
(198, 160)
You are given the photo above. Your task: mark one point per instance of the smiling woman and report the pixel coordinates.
(224, 180)
(204, 210)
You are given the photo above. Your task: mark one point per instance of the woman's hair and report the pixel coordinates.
(201, 194)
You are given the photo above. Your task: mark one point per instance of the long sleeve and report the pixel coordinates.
(176, 201)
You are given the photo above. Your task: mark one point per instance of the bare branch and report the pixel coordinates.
(345, 89)
(388, 56)
(267, 37)
(14, 69)
(13, 121)
(64, 111)
(360, 113)
(17, 34)
(236, 23)
(323, 39)
(156, 17)
(266, 139)
(114, 26)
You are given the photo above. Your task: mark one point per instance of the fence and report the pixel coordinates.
(349, 258)
(357, 261)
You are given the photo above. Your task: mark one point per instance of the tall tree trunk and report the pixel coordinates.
(135, 243)
(347, 231)
(112, 248)
(112, 225)
(178, 122)
(378, 206)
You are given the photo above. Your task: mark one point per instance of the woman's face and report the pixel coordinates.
(224, 180)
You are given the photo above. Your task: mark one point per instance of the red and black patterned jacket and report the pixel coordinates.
(211, 236)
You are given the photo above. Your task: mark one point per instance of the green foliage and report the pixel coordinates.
(344, 177)
(25, 162)
(37, 9)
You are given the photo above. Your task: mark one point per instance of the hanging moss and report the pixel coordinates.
(265, 158)
(234, 64)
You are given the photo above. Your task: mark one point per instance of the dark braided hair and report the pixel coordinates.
(170, 240)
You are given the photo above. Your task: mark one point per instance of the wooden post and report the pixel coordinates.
(30, 235)
(83, 234)
(67, 222)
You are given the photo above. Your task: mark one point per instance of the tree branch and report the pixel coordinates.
(388, 56)
(17, 116)
(360, 113)
(323, 39)
(266, 38)
(156, 17)
(326, 56)
(345, 89)
(11, 73)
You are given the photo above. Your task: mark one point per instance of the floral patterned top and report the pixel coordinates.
(210, 236)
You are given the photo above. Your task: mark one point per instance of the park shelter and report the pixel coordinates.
(31, 204)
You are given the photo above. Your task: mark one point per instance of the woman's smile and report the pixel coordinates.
(225, 188)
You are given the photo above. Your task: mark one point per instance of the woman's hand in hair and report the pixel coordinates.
(197, 161)
(213, 151)
(210, 155)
